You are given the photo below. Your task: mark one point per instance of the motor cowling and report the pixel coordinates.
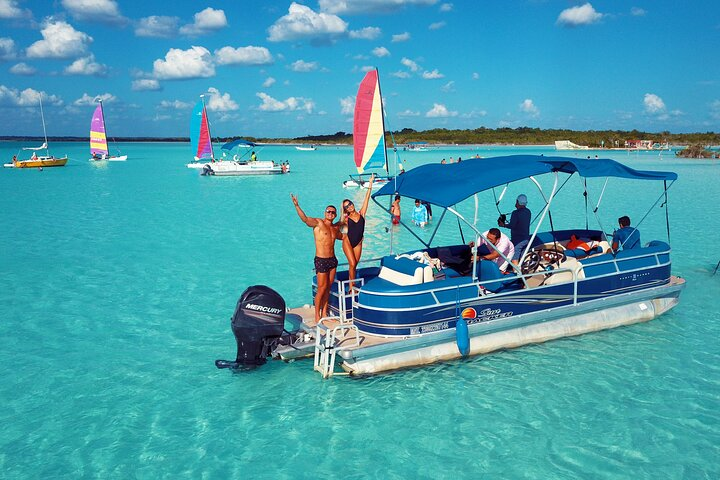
(258, 323)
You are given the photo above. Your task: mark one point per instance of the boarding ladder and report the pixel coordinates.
(330, 331)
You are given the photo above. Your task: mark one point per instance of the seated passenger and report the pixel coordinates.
(501, 243)
(627, 237)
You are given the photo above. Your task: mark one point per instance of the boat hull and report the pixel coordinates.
(516, 331)
(233, 169)
(40, 162)
(120, 158)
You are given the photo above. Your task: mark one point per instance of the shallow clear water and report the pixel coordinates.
(119, 280)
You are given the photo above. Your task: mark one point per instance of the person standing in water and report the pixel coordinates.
(325, 233)
(355, 220)
(395, 210)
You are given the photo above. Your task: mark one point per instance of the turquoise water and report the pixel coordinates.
(119, 280)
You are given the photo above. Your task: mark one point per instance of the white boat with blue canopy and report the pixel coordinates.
(439, 303)
(242, 162)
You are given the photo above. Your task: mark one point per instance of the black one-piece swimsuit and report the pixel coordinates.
(355, 231)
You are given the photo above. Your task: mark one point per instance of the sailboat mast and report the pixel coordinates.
(382, 118)
(42, 116)
(207, 124)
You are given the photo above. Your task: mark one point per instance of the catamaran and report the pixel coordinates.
(440, 302)
(200, 138)
(36, 161)
(98, 138)
(369, 133)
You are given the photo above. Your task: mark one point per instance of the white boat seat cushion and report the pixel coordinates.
(404, 272)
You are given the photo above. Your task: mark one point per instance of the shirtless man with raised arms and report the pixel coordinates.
(325, 233)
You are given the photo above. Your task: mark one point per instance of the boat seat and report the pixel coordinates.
(567, 276)
(488, 271)
(404, 272)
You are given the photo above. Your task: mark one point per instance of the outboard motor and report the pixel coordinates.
(257, 324)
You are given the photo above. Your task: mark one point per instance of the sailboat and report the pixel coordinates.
(200, 138)
(98, 138)
(36, 161)
(369, 133)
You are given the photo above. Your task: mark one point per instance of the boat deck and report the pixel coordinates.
(306, 314)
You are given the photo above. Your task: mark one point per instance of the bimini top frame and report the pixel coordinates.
(448, 185)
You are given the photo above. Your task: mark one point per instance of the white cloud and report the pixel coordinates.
(448, 87)
(60, 40)
(527, 106)
(366, 68)
(414, 67)
(347, 106)
(145, 84)
(474, 114)
(7, 48)
(436, 25)
(102, 11)
(581, 15)
(475, 76)
(86, 99)
(269, 82)
(23, 69)
(381, 52)
(400, 74)
(9, 9)
(86, 66)
(446, 7)
(715, 109)
(206, 21)
(195, 62)
(368, 6)
(637, 12)
(427, 75)
(291, 104)
(303, 66)
(174, 104)
(408, 113)
(302, 22)
(249, 55)
(220, 102)
(157, 26)
(26, 98)
(653, 104)
(401, 37)
(367, 33)
(440, 111)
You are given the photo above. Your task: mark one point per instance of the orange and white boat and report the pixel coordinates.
(35, 160)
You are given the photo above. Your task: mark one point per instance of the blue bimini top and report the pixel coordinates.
(447, 185)
(235, 143)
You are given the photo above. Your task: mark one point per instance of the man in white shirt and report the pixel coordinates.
(501, 242)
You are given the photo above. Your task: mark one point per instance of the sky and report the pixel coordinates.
(277, 68)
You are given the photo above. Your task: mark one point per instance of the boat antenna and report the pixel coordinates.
(42, 116)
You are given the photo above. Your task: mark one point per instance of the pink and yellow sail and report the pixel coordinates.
(98, 138)
(369, 125)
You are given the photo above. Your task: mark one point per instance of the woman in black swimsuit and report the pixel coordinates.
(355, 221)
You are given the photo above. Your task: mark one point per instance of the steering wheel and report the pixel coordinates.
(530, 263)
(552, 256)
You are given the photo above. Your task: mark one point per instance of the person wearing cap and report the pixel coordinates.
(519, 223)
(519, 226)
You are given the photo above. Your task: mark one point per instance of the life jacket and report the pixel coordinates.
(575, 243)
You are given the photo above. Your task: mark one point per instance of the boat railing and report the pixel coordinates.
(574, 270)
(343, 292)
(326, 336)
